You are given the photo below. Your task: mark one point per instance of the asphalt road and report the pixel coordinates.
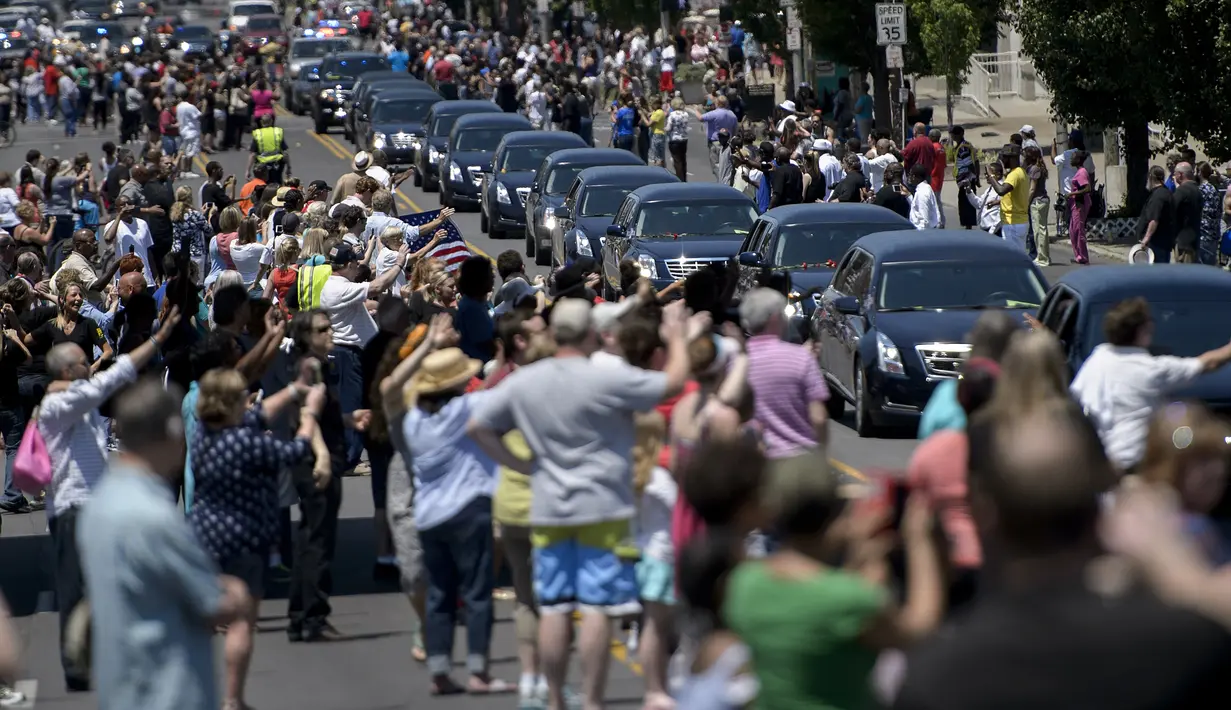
(373, 670)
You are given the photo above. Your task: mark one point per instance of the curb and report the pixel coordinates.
(1117, 253)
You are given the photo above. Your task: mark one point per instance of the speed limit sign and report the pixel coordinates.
(890, 23)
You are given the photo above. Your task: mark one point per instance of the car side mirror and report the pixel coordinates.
(615, 230)
(562, 213)
(750, 258)
(846, 305)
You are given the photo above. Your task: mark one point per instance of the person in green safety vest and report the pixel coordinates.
(269, 149)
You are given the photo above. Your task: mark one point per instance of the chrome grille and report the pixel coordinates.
(681, 268)
(343, 94)
(522, 194)
(943, 359)
(402, 140)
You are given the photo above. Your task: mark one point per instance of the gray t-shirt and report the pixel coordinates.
(153, 593)
(577, 417)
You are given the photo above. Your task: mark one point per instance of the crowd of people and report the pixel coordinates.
(196, 363)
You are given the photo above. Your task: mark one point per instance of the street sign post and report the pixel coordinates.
(793, 40)
(893, 56)
(890, 23)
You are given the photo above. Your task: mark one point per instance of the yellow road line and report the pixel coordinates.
(848, 469)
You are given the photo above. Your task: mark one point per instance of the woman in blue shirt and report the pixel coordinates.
(624, 125)
(399, 59)
(863, 113)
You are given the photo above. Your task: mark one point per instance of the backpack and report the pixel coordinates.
(32, 466)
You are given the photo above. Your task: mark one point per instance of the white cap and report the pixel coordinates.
(787, 105)
(1026, 129)
(822, 144)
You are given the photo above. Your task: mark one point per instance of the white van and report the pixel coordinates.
(241, 10)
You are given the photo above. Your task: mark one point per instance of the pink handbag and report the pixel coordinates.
(32, 467)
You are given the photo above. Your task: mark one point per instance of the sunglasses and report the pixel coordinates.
(323, 329)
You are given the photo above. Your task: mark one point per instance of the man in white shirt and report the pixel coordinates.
(188, 116)
(924, 209)
(536, 108)
(829, 165)
(128, 234)
(380, 219)
(1121, 385)
(878, 162)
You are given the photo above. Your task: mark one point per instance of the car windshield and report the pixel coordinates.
(479, 139)
(15, 43)
(958, 284)
(819, 243)
(351, 68)
(443, 125)
(1180, 329)
(312, 50)
(193, 33)
(603, 201)
(561, 178)
(696, 218)
(265, 23)
(403, 109)
(249, 10)
(525, 158)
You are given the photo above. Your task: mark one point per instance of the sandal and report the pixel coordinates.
(480, 685)
(418, 651)
(444, 685)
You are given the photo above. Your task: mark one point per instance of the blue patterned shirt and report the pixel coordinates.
(235, 471)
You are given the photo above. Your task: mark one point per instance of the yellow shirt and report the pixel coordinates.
(511, 505)
(1015, 204)
(658, 122)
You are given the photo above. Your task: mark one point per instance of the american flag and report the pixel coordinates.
(452, 250)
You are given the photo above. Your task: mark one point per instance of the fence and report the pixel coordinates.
(994, 76)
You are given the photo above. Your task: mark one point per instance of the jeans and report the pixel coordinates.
(70, 584)
(34, 109)
(13, 421)
(311, 576)
(624, 143)
(350, 394)
(458, 558)
(1162, 255)
(679, 156)
(70, 117)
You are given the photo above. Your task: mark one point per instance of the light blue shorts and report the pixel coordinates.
(584, 566)
(656, 580)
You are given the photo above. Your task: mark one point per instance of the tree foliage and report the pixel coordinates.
(949, 33)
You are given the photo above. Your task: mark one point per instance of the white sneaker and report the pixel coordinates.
(189, 175)
(52, 122)
(10, 697)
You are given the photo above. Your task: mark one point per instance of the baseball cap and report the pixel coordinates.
(570, 318)
(1026, 129)
(343, 254)
(512, 293)
(606, 316)
(319, 185)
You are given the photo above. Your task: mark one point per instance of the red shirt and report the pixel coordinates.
(365, 18)
(665, 409)
(918, 150)
(938, 168)
(50, 76)
(442, 70)
(166, 123)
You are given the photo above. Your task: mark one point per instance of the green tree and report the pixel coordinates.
(1104, 67)
(949, 32)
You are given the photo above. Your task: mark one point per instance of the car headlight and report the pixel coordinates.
(455, 172)
(502, 194)
(433, 155)
(793, 306)
(649, 269)
(295, 68)
(137, 41)
(583, 248)
(328, 94)
(184, 46)
(887, 356)
(549, 217)
(378, 141)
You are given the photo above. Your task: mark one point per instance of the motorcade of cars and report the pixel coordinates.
(260, 31)
(302, 55)
(359, 108)
(134, 8)
(553, 180)
(440, 121)
(394, 123)
(90, 33)
(805, 241)
(14, 45)
(590, 206)
(333, 79)
(672, 230)
(360, 99)
(239, 12)
(514, 166)
(892, 323)
(467, 160)
(91, 10)
(1186, 310)
(191, 41)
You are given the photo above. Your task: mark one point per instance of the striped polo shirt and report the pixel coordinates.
(785, 379)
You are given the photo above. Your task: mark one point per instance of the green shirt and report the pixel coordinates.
(804, 636)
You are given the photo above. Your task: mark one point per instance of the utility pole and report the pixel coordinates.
(794, 45)
(891, 34)
(544, 8)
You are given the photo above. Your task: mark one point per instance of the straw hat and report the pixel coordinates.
(444, 370)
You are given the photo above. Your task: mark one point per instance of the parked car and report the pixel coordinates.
(440, 121)
(334, 78)
(514, 165)
(359, 111)
(468, 157)
(554, 178)
(806, 242)
(892, 323)
(302, 56)
(1187, 306)
(673, 230)
(590, 206)
(395, 124)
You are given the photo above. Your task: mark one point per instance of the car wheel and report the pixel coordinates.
(530, 243)
(430, 185)
(484, 227)
(288, 100)
(495, 232)
(864, 426)
(417, 179)
(542, 257)
(320, 127)
(835, 406)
